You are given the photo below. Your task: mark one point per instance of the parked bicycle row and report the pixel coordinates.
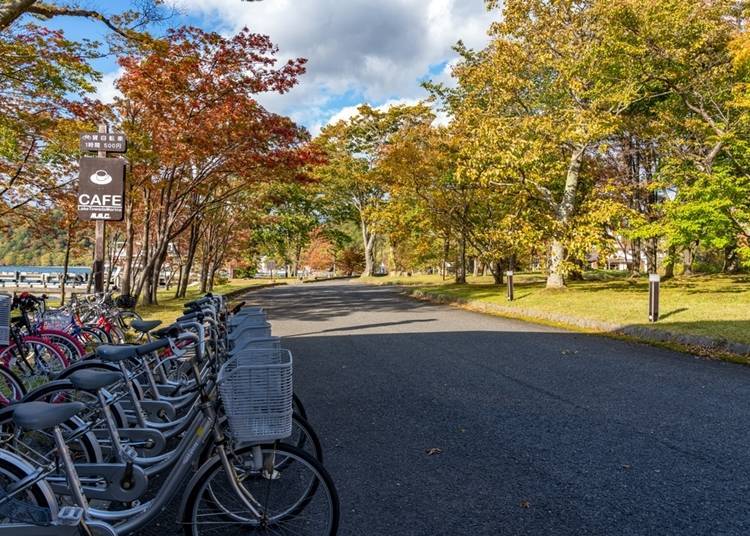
(99, 438)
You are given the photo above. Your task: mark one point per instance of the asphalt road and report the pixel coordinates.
(540, 431)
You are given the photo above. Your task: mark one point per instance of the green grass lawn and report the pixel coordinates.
(712, 306)
(170, 307)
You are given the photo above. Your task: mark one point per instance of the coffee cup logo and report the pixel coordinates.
(100, 177)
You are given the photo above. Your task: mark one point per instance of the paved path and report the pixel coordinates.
(542, 431)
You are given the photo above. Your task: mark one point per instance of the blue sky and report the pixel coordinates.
(374, 51)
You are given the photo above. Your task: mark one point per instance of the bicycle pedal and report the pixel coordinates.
(70, 516)
(129, 452)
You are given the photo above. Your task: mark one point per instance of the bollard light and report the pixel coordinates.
(509, 274)
(653, 297)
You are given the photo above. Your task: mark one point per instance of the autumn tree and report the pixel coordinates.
(190, 101)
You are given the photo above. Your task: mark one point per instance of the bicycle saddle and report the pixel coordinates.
(116, 353)
(144, 326)
(172, 330)
(93, 380)
(41, 415)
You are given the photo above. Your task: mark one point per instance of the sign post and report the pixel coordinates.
(101, 189)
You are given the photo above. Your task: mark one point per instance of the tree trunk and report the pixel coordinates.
(158, 266)
(635, 253)
(556, 277)
(211, 277)
(669, 263)
(127, 270)
(497, 270)
(730, 260)
(653, 254)
(204, 272)
(687, 260)
(297, 259)
(66, 262)
(369, 243)
(192, 248)
(178, 286)
(145, 274)
(446, 249)
(461, 268)
(113, 254)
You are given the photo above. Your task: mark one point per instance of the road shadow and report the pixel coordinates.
(538, 433)
(324, 301)
(365, 326)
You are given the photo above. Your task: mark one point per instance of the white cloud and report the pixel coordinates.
(105, 89)
(346, 113)
(375, 50)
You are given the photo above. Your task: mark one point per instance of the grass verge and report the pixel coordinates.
(709, 315)
(169, 307)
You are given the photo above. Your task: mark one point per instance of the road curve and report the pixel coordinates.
(438, 421)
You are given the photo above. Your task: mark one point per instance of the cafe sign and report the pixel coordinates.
(101, 189)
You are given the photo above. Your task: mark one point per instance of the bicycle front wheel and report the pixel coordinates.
(11, 387)
(299, 499)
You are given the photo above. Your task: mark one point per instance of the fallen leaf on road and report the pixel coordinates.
(525, 504)
(433, 451)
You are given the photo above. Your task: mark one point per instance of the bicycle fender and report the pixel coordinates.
(197, 477)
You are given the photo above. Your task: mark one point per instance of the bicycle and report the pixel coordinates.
(232, 489)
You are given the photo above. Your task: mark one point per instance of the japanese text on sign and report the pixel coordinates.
(110, 142)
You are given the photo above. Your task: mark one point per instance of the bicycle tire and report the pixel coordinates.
(57, 356)
(12, 388)
(197, 491)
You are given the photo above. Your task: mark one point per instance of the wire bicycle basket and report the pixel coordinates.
(57, 319)
(5, 304)
(256, 391)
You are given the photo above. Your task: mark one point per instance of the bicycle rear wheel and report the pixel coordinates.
(35, 504)
(66, 342)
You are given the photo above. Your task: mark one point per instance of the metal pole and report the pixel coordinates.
(100, 237)
(653, 297)
(509, 274)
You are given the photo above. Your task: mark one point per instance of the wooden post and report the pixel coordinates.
(100, 237)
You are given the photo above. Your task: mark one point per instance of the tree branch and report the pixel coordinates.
(47, 11)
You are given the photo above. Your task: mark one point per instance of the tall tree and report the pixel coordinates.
(353, 181)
